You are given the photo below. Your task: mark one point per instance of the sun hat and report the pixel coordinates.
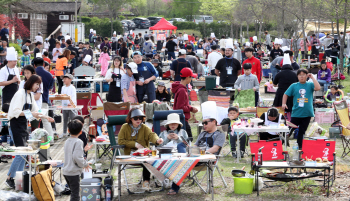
(137, 113)
(173, 118)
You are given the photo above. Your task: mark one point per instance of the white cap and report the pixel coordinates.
(11, 54)
(255, 38)
(185, 37)
(235, 42)
(212, 35)
(182, 51)
(91, 30)
(38, 55)
(87, 58)
(115, 32)
(284, 48)
(133, 67)
(209, 110)
(286, 60)
(66, 37)
(281, 41)
(229, 45)
(94, 31)
(277, 41)
(247, 44)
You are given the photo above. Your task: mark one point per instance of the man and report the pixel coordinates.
(213, 58)
(81, 53)
(71, 48)
(141, 42)
(26, 45)
(228, 68)
(114, 40)
(90, 35)
(106, 43)
(148, 47)
(211, 42)
(187, 42)
(63, 43)
(180, 40)
(193, 61)
(3, 52)
(52, 43)
(93, 39)
(73, 62)
(181, 101)
(256, 65)
(146, 76)
(88, 51)
(59, 38)
(171, 45)
(4, 33)
(48, 83)
(39, 38)
(190, 50)
(315, 46)
(146, 35)
(222, 42)
(9, 77)
(268, 40)
(334, 49)
(178, 64)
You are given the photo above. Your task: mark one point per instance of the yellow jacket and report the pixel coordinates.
(144, 136)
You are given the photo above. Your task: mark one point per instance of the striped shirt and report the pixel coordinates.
(25, 60)
(245, 82)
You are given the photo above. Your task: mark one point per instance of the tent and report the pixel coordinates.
(163, 24)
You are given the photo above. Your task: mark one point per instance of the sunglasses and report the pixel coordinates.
(206, 122)
(138, 118)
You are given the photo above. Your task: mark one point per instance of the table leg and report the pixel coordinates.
(119, 183)
(211, 180)
(96, 155)
(238, 148)
(256, 181)
(285, 141)
(101, 92)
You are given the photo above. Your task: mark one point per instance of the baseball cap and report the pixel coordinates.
(133, 67)
(182, 51)
(70, 76)
(161, 84)
(187, 72)
(137, 53)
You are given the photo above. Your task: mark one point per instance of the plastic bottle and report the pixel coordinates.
(295, 151)
(108, 193)
(8, 140)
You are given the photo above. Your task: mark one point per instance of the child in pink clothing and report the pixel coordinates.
(104, 58)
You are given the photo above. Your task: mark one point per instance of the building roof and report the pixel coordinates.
(45, 7)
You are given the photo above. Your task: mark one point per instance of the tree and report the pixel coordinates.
(184, 8)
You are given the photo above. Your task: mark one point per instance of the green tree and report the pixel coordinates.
(185, 9)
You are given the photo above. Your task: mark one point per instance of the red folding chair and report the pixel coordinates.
(320, 148)
(84, 99)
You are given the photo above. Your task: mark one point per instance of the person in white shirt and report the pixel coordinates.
(213, 58)
(46, 44)
(237, 54)
(69, 90)
(114, 76)
(39, 38)
(57, 51)
(222, 42)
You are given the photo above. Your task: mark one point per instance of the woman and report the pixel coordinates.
(275, 52)
(200, 68)
(162, 93)
(134, 134)
(199, 46)
(103, 60)
(157, 56)
(57, 51)
(324, 76)
(124, 52)
(128, 83)
(283, 80)
(130, 51)
(205, 56)
(19, 40)
(114, 77)
(270, 118)
(302, 47)
(61, 66)
(23, 100)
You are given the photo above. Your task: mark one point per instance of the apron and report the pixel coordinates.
(19, 126)
(131, 92)
(114, 93)
(9, 91)
(274, 124)
(209, 141)
(148, 89)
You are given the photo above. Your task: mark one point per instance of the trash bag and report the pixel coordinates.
(59, 188)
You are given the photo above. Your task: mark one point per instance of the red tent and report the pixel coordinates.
(163, 24)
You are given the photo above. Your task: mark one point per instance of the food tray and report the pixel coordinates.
(288, 179)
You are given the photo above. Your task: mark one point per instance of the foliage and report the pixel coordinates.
(185, 25)
(101, 25)
(180, 8)
(17, 48)
(219, 29)
(20, 29)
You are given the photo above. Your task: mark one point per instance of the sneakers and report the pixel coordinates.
(146, 186)
(10, 183)
(234, 155)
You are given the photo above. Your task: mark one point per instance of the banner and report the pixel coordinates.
(161, 37)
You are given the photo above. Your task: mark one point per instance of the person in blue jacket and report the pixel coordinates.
(145, 79)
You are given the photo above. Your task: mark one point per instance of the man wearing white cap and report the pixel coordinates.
(276, 50)
(114, 40)
(228, 68)
(9, 76)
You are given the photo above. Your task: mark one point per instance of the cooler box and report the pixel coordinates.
(105, 87)
(324, 115)
(266, 72)
(210, 82)
(90, 189)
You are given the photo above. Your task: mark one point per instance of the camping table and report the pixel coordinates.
(24, 153)
(208, 160)
(268, 100)
(100, 80)
(78, 108)
(283, 129)
(106, 148)
(284, 165)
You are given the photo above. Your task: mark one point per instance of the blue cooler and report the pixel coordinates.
(105, 87)
(90, 189)
(266, 72)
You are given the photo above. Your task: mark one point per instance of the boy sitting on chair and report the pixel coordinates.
(270, 118)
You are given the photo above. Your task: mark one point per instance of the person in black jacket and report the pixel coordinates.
(275, 52)
(335, 48)
(155, 63)
(71, 48)
(162, 93)
(233, 114)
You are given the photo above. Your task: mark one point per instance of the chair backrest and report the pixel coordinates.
(84, 99)
(116, 108)
(162, 115)
(96, 100)
(261, 110)
(272, 150)
(84, 71)
(114, 120)
(319, 148)
(343, 113)
(97, 113)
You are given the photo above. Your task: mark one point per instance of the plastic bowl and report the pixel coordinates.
(35, 144)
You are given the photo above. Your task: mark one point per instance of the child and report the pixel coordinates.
(172, 134)
(74, 161)
(46, 57)
(233, 114)
(25, 58)
(69, 90)
(248, 81)
(83, 137)
(334, 93)
(335, 76)
(104, 58)
(324, 76)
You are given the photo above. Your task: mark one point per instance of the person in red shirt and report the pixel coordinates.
(256, 65)
(181, 101)
(46, 57)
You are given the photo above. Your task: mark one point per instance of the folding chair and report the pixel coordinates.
(95, 103)
(163, 115)
(321, 148)
(343, 113)
(84, 99)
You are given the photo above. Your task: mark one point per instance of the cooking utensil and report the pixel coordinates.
(164, 150)
(238, 173)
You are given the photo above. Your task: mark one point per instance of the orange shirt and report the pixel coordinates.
(60, 62)
(48, 60)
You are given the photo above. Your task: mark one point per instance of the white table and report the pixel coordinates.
(105, 144)
(100, 80)
(23, 153)
(282, 129)
(78, 108)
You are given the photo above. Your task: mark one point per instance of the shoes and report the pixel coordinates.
(10, 183)
(146, 186)
(6, 148)
(234, 155)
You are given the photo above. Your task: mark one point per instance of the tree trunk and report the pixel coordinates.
(303, 25)
(111, 25)
(241, 33)
(256, 27)
(236, 33)
(332, 27)
(342, 41)
(282, 20)
(319, 26)
(248, 31)
(231, 32)
(260, 27)
(337, 16)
